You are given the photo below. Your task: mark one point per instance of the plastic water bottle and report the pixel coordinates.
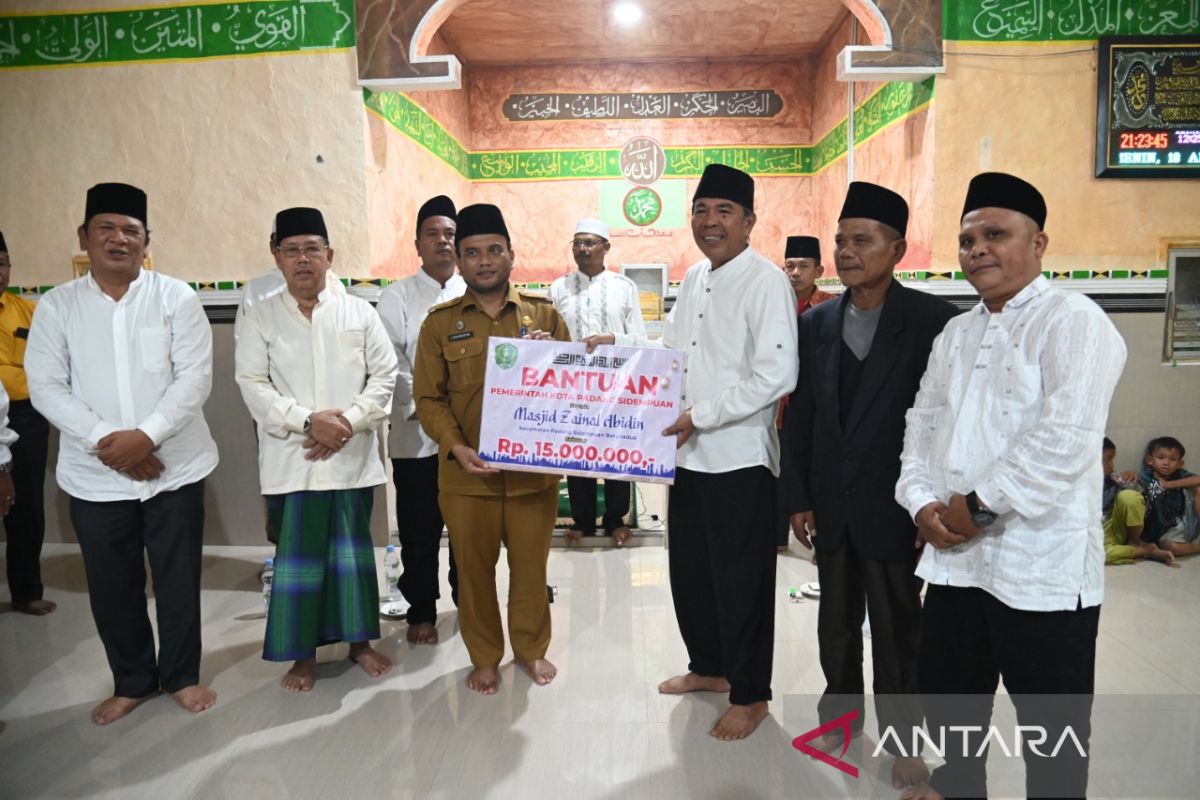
(268, 575)
(391, 573)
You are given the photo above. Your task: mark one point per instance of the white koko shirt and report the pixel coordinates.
(606, 303)
(267, 285)
(403, 306)
(97, 365)
(737, 326)
(288, 367)
(1013, 406)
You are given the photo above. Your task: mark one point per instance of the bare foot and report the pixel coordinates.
(371, 660)
(195, 698)
(739, 721)
(36, 608)
(1156, 553)
(573, 536)
(691, 682)
(922, 792)
(622, 535)
(115, 707)
(541, 670)
(485, 680)
(301, 677)
(422, 633)
(909, 771)
(829, 742)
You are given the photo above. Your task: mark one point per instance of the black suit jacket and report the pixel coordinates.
(847, 476)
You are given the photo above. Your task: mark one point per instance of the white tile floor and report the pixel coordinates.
(600, 730)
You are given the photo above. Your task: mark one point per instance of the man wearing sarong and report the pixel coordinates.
(317, 371)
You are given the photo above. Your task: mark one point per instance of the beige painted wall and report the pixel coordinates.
(219, 146)
(1036, 114)
(401, 175)
(900, 157)
(1153, 399)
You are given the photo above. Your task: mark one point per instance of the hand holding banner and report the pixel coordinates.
(551, 406)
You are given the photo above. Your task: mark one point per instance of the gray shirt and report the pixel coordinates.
(858, 329)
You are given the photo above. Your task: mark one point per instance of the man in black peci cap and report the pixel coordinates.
(120, 361)
(999, 473)
(735, 319)
(403, 306)
(861, 359)
(316, 371)
(483, 506)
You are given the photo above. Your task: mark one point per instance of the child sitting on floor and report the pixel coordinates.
(1124, 515)
(1170, 493)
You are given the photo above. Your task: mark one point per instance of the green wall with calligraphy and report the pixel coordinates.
(890, 104)
(1067, 20)
(171, 33)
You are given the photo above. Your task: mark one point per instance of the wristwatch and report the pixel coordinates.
(981, 515)
(307, 423)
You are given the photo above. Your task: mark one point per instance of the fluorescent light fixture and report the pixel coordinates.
(626, 13)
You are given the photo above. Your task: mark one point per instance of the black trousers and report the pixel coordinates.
(169, 528)
(852, 585)
(783, 519)
(419, 524)
(969, 640)
(722, 559)
(582, 493)
(25, 525)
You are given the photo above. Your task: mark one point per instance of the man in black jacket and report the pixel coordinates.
(861, 361)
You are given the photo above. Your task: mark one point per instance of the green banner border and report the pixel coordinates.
(175, 33)
(890, 104)
(1066, 20)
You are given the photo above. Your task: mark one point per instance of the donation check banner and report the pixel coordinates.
(551, 406)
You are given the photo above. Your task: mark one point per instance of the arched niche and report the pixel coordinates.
(394, 38)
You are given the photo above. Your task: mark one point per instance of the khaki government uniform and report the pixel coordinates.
(482, 511)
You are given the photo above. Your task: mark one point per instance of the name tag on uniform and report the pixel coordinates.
(458, 337)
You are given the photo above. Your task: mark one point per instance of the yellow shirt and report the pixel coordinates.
(448, 383)
(16, 315)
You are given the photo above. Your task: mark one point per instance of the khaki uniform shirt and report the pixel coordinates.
(448, 383)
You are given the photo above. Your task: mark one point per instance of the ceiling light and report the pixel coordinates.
(626, 13)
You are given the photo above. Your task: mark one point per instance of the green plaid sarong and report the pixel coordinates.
(324, 589)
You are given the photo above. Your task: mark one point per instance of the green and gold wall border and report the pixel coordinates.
(1066, 20)
(175, 33)
(890, 104)
(399, 111)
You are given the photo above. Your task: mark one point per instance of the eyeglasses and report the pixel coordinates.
(309, 251)
(585, 244)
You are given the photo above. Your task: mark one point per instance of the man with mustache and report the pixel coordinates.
(484, 506)
(591, 301)
(999, 473)
(316, 371)
(403, 306)
(120, 361)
